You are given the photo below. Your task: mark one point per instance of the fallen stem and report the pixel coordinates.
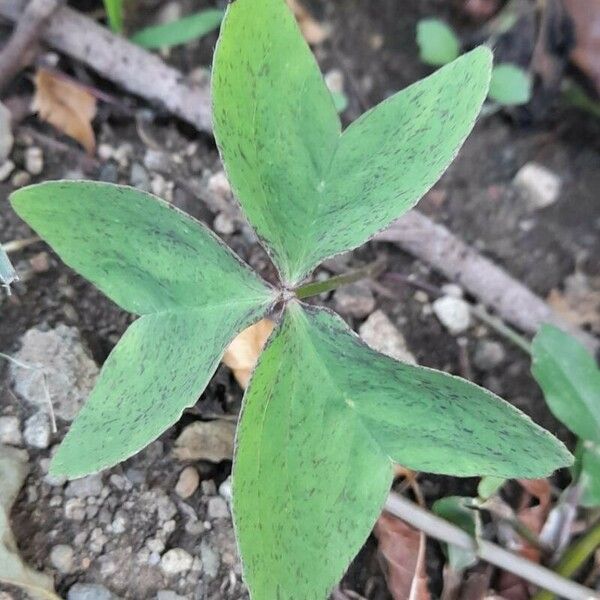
(16, 245)
(319, 287)
(575, 556)
(440, 529)
(501, 327)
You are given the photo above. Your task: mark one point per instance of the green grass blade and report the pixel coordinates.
(570, 380)
(180, 31)
(141, 252)
(114, 14)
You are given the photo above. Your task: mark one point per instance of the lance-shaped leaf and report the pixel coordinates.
(309, 191)
(570, 380)
(140, 251)
(194, 294)
(323, 419)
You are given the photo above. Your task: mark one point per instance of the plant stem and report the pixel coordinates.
(319, 287)
(574, 558)
(500, 327)
(441, 529)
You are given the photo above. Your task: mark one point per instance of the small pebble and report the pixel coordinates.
(75, 509)
(217, 508)
(187, 483)
(488, 355)
(176, 561)
(225, 489)
(6, 168)
(540, 185)
(37, 431)
(89, 591)
(61, 557)
(224, 224)
(20, 179)
(355, 300)
(382, 335)
(105, 152)
(139, 177)
(453, 313)
(34, 160)
(10, 431)
(85, 486)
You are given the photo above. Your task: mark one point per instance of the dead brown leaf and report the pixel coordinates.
(66, 105)
(580, 302)
(402, 550)
(314, 33)
(243, 352)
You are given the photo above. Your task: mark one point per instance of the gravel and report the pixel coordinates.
(176, 560)
(453, 313)
(188, 482)
(10, 431)
(355, 300)
(37, 431)
(61, 557)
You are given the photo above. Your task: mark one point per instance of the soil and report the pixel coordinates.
(373, 44)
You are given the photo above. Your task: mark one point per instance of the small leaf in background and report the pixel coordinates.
(590, 475)
(438, 44)
(182, 31)
(340, 100)
(243, 352)
(570, 380)
(488, 486)
(114, 14)
(66, 105)
(403, 553)
(456, 510)
(7, 271)
(510, 85)
(314, 33)
(13, 571)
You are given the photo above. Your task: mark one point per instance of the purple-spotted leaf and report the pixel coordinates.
(194, 294)
(309, 190)
(323, 419)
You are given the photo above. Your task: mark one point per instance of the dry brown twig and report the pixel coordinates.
(19, 50)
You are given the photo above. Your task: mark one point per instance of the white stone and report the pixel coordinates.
(6, 168)
(453, 313)
(89, 591)
(488, 355)
(85, 486)
(187, 483)
(61, 557)
(334, 80)
(225, 489)
(176, 560)
(382, 335)
(355, 299)
(217, 508)
(34, 160)
(75, 509)
(10, 431)
(37, 431)
(540, 185)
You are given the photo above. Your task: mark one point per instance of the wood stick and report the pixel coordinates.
(441, 529)
(118, 60)
(492, 285)
(18, 52)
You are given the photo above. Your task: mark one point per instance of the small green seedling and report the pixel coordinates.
(439, 45)
(570, 380)
(324, 416)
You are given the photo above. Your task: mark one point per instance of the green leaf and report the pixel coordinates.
(140, 251)
(510, 85)
(309, 191)
(488, 486)
(181, 31)
(194, 293)
(438, 44)
(7, 271)
(323, 418)
(114, 14)
(161, 366)
(570, 380)
(456, 509)
(590, 475)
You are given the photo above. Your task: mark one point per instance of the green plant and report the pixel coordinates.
(180, 31)
(114, 14)
(439, 45)
(570, 380)
(324, 416)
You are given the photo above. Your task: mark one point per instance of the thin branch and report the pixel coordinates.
(440, 529)
(500, 327)
(18, 51)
